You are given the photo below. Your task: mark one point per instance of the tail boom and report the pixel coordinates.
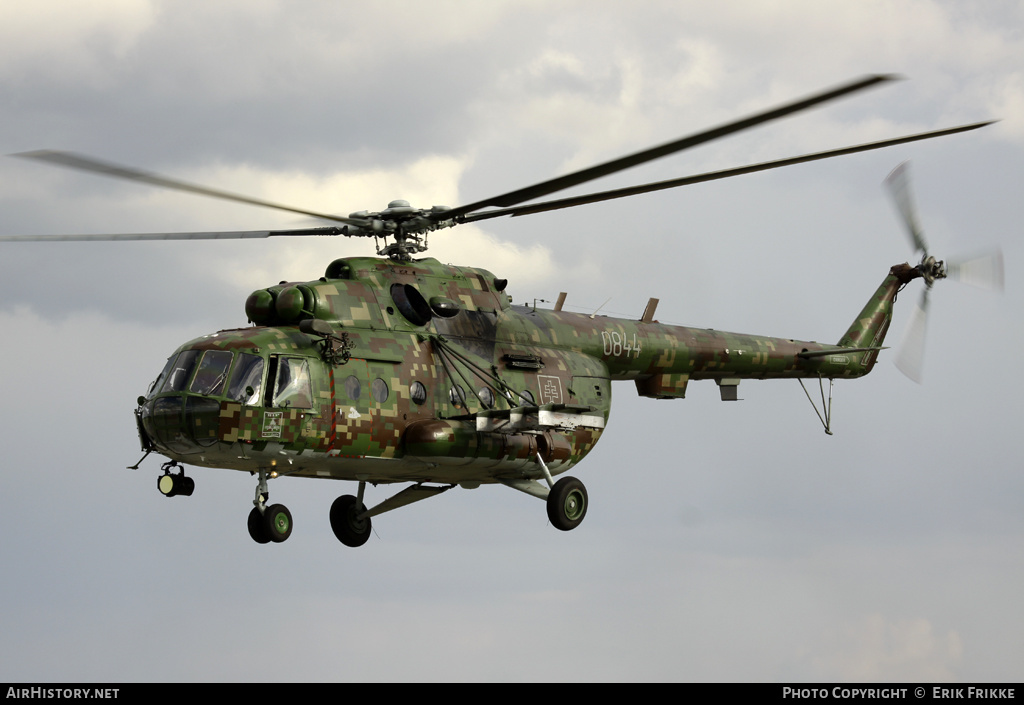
(662, 359)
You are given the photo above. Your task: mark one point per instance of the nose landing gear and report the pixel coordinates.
(257, 527)
(279, 522)
(268, 524)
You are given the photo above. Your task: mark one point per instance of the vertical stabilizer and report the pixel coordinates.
(870, 327)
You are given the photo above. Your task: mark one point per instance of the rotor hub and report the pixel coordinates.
(932, 269)
(403, 223)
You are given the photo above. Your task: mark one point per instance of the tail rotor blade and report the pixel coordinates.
(910, 359)
(984, 271)
(898, 183)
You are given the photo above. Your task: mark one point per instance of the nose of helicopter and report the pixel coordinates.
(181, 424)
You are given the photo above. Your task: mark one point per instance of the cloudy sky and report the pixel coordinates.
(724, 541)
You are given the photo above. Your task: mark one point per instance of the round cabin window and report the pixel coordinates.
(486, 397)
(457, 395)
(418, 392)
(352, 387)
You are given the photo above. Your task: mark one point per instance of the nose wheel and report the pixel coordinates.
(258, 529)
(268, 524)
(273, 524)
(278, 521)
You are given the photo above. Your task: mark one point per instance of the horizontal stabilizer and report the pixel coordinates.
(835, 351)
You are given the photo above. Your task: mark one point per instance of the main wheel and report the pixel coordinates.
(258, 527)
(278, 522)
(567, 503)
(349, 529)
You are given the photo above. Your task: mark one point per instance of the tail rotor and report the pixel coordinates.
(984, 271)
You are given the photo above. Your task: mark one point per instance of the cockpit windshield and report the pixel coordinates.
(212, 373)
(180, 372)
(206, 373)
(155, 386)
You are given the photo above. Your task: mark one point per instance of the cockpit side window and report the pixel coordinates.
(212, 373)
(177, 378)
(293, 387)
(248, 374)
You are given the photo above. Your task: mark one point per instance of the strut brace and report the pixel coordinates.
(825, 415)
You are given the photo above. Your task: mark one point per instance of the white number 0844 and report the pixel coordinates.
(618, 345)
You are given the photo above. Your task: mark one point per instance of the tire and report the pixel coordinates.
(258, 527)
(278, 521)
(347, 528)
(567, 504)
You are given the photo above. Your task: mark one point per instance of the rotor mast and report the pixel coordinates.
(403, 223)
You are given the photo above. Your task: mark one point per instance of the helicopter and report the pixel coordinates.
(402, 370)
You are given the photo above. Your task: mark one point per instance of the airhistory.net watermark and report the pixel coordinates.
(41, 693)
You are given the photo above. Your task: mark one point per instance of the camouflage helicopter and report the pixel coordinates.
(404, 370)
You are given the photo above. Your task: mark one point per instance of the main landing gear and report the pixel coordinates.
(567, 503)
(351, 529)
(566, 499)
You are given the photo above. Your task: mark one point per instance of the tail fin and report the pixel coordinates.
(870, 327)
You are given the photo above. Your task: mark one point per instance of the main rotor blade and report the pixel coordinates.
(578, 177)
(710, 176)
(95, 166)
(910, 358)
(898, 183)
(225, 235)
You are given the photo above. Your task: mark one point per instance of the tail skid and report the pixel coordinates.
(865, 335)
